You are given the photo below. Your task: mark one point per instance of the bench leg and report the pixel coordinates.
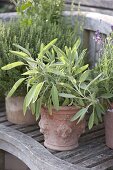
(2, 160)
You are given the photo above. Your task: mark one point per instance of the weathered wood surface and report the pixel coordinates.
(2, 160)
(101, 6)
(26, 143)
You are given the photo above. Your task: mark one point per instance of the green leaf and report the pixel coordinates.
(73, 81)
(50, 106)
(84, 76)
(46, 48)
(59, 52)
(59, 73)
(19, 54)
(37, 91)
(38, 108)
(65, 95)
(76, 45)
(106, 95)
(32, 107)
(79, 114)
(83, 86)
(99, 112)
(12, 65)
(81, 57)
(26, 57)
(93, 81)
(55, 100)
(29, 97)
(91, 120)
(81, 69)
(15, 86)
(24, 106)
(30, 72)
(26, 5)
(96, 121)
(23, 49)
(67, 86)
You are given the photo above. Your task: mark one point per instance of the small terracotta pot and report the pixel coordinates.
(14, 111)
(109, 127)
(59, 132)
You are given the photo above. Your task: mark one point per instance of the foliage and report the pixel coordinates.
(57, 78)
(32, 10)
(105, 67)
(30, 38)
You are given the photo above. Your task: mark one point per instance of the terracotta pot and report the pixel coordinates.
(109, 127)
(14, 111)
(59, 132)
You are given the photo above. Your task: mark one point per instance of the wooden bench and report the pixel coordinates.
(26, 142)
(100, 6)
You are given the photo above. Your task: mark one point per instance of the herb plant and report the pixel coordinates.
(58, 78)
(32, 10)
(105, 67)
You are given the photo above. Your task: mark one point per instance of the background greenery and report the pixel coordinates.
(47, 25)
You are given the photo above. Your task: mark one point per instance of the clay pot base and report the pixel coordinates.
(14, 112)
(59, 132)
(60, 148)
(109, 129)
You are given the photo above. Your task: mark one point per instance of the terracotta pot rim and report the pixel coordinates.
(14, 97)
(63, 108)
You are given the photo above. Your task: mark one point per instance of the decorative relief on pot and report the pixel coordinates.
(59, 132)
(64, 131)
(44, 127)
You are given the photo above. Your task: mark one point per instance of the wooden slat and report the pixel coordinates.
(86, 153)
(93, 3)
(85, 145)
(2, 160)
(105, 165)
(98, 158)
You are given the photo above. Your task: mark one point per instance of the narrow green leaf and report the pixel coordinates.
(19, 54)
(37, 91)
(55, 100)
(50, 106)
(23, 49)
(30, 72)
(59, 52)
(107, 95)
(81, 57)
(66, 85)
(81, 69)
(84, 76)
(30, 96)
(96, 121)
(79, 114)
(91, 120)
(12, 65)
(94, 80)
(65, 95)
(76, 45)
(15, 86)
(56, 72)
(46, 48)
(99, 112)
(32, 107)
(26, 57)
(24, 106)
(83, 86)
(38, 108)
